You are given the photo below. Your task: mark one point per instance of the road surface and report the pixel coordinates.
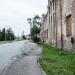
(9, 51)
(26, 63)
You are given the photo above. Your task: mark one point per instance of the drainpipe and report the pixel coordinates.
(61, 25)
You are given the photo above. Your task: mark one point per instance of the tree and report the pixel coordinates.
(0, 35)
(43, 17)
(10, 35)
(37, 21)
(6, 34)
(34, 31)
(23, 36)
(3, 34)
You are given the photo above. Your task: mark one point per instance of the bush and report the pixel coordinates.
(35, 39)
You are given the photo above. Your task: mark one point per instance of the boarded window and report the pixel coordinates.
(69, 26)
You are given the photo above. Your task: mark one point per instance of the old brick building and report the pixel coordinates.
(58, 29)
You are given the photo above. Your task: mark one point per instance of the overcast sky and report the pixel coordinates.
(14, 13)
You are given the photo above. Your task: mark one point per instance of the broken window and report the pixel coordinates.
(69, 25)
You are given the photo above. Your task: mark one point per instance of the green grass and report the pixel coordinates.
(57, 62)
(3, 42)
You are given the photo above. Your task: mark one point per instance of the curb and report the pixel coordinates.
(42, 69)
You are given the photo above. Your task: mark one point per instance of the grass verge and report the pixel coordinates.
(57, 62)
(3, 42)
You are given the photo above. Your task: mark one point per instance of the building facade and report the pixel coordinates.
(58, 29)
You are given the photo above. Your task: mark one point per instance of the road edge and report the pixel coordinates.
(42, 69)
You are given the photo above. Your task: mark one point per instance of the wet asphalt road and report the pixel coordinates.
(22, 57)
(9, 51)
(28, 63)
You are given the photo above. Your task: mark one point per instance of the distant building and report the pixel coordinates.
(28, 37)
(58, 29)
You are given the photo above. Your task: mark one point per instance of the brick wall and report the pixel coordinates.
(56, 23)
